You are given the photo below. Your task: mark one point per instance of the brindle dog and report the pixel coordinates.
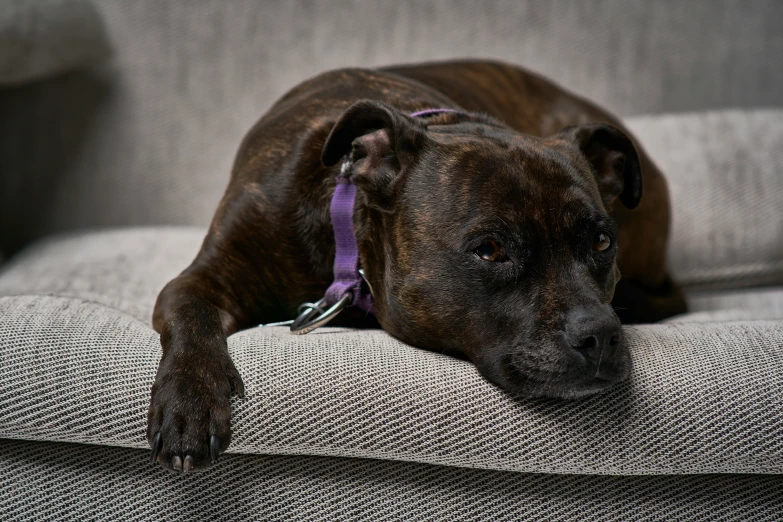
(497, 234)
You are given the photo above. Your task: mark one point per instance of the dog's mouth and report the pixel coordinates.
(565, 375)
(562, 389)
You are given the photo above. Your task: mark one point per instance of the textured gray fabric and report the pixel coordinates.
(721, 316)
(637, 57)
(703, 398)
(151, 141)
(734, 305)
(70, 482)
(39, 38)
(122, 269)
(725, 173)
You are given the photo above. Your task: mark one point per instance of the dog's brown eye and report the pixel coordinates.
(602, 242)
(491, 251)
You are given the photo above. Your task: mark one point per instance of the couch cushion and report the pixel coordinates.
(122, 269)
(79, 358)
(725, 172)
(39, 38)
(703, 398)
(46, 481)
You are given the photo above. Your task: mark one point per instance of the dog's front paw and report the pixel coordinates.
(189, 420)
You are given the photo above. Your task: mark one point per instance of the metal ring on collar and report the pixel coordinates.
(306, 323)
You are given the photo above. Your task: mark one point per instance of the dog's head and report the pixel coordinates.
(492, 244)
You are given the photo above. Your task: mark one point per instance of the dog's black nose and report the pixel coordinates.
(595, 334)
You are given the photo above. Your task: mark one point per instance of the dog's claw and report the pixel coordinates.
(176, 462)
(189, 464)
(214, 448)
(157, 444)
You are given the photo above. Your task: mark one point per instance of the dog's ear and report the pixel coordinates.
(382, 142)
(614, 160)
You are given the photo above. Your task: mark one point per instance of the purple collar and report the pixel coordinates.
(347, 289)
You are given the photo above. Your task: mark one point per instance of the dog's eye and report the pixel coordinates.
(491, 251)
(602, 242)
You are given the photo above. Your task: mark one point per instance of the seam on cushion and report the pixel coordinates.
(82, 300)
(727, 275)
(491, 463)
(730, 292)
(422, 457)
(700, 113)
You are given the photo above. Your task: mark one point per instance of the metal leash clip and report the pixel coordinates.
(312, 315)
(305, 322)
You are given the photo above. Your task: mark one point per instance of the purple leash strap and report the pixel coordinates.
(347, 279)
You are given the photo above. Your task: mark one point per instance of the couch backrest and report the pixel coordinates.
(150, 137)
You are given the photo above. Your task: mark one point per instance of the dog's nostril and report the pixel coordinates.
(587, 344)
(614, 341)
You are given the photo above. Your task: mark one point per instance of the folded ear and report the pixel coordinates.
(382, 142)
(614, 160)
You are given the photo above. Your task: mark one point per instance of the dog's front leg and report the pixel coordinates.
(189, 417)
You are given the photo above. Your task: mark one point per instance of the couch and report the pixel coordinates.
(118, 125)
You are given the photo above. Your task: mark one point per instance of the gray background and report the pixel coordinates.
(149, 137)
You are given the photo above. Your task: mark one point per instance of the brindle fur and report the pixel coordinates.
(270, 245)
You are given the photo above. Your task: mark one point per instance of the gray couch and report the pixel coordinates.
(110, 172)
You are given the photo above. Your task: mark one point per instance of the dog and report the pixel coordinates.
(493, 215)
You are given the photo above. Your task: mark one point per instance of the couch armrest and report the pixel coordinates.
(40, 38)
(725, 174)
